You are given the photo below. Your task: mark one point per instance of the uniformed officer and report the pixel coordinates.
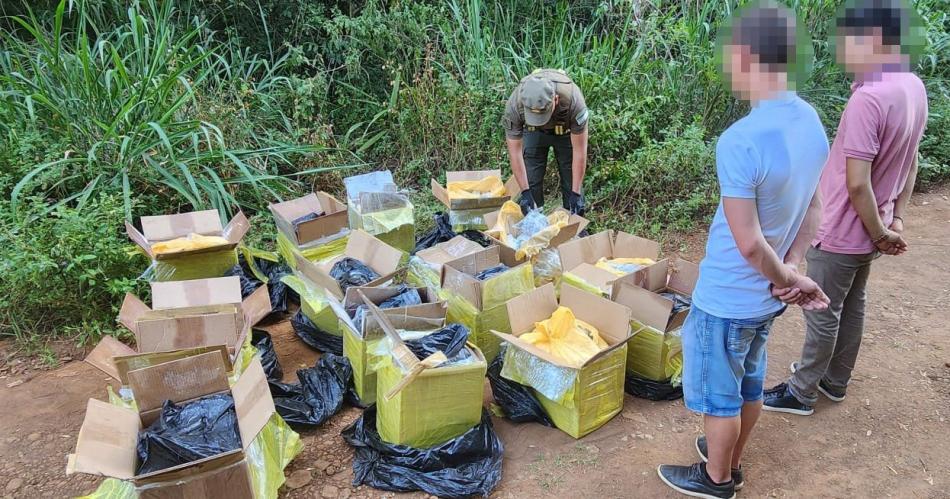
(547, 110)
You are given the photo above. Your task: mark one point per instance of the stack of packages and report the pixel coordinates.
(659, 306)
(470, 195)
(572, 354)
(377, 207)
(599, 262)
(193, 416)
(314, 227)
(477, 287)
(533, 237)
(365, 261)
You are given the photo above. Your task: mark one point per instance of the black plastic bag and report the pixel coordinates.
(405, 298)
(352, 272)
(680, 302)
(305, 218)
(517, 401)
(651, 390)
(468, 465)
(279, 292)
(314, 337)
(262, 341)
(449, 340)
(476, 237)
(318, 395)
(491, 272)
(184, 433)
(443, 232)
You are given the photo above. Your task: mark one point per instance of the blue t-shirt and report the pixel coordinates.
(774, 155)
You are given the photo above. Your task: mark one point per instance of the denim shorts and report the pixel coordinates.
(724, 361)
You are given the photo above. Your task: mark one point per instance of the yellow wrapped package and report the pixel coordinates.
(256, 471)
(527, 240)
(318, 251)
(654, 354)
(389, 217)
(490, 187)
(578, 398)
(425, 267)
(315, 304)
(623, 266)
(191, 242)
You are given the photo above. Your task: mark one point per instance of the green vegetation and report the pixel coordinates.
(111, 110)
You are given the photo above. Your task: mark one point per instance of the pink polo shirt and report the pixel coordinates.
(882, 123)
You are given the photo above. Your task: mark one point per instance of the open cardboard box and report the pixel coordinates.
(575, 224)
(442, 194)
(332, 222)
(458, 277)
(647, 306)
(168, 227)
(432, 307)
(116, 358)
(438, 254)
(108, 437)
(196, 313)
(375, 254)
(580, 256)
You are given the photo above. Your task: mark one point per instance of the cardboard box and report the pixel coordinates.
(480, 305)
(644, 302)
(331, 223)
(442, 194)
(168, 227)
(575, 224)
(196, 313)
(388, 216)
(107, 440)
(579, 257)
(425, 267)
(578, 400)
(375, 254)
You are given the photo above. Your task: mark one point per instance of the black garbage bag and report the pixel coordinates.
(279, 292)
(491, 272)
(352, 272)
(449, 340)
(305, 218)
(468, 465)
(184, 433)
(476, 237)
(318, 395)
(405, 298)
(262, 341)
(517, 401)
(314, 337)
(651, 390)
(680, 302)
(443, 232)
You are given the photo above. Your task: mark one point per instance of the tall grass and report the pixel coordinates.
(125, 98)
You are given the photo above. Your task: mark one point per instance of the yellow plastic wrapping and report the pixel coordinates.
(319, 251)
(196, 266)
(361, 357)
(439, 405)
(191, 242)
(616, 265)
(547, 268)
(394, 226)
(474, 219)
(420, 274)
(314, 304)
(653, 354)
(579, 283)
(578, 400)
(569, 339)
(504, 229)
(490, 187)
(266, 457)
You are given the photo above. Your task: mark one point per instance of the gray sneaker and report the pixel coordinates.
(737, 477)
(833, 394)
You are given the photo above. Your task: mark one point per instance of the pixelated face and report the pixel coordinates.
(746, 76)
(858, 49)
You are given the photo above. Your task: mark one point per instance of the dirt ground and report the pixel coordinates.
(890, 438)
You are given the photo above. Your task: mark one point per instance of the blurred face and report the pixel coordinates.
(858, 51)
(748, 79)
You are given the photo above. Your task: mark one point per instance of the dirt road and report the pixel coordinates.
(890, 438)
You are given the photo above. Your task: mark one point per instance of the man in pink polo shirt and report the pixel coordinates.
(865, 189)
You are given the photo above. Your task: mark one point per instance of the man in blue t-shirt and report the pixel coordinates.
(769, 164)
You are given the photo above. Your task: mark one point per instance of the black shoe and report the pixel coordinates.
(693, 481)
(833, 394)
(736, 472)
(780, 399)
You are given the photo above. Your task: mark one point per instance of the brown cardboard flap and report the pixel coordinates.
(683, 276)
(611, 319)
(257, 305)
(106, 442)
(221, 475)
(645, 306)
(491, 219)
(655, 276)
(456, 247)
(631, 246)
(134, 361)
(165, 227)
(102, 357)
(439, 192)
(236, 228)
(178, 380)
(376, 254)
(132, 309)
(466, 175)
(585, 250)
(533, 306)
(164, 330)
(462, 284)
(595, 276)
(318, 276)
(138, 239)
(195, 293)
(252, 401)
(511, 187)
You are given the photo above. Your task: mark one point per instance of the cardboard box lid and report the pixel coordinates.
(432, 307)
(458, 276)
(167, 227)
(333, 220)
(595, 276)
(103, 356)
(375, 254)
(441, 192)
(677, 274)
(106, 442)
(180, 380)
(134, 361)
(646, 307)
(456, 247)
(612, 320)
(162, 330)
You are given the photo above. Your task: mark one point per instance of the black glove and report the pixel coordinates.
(575, 203)
(526, 201)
